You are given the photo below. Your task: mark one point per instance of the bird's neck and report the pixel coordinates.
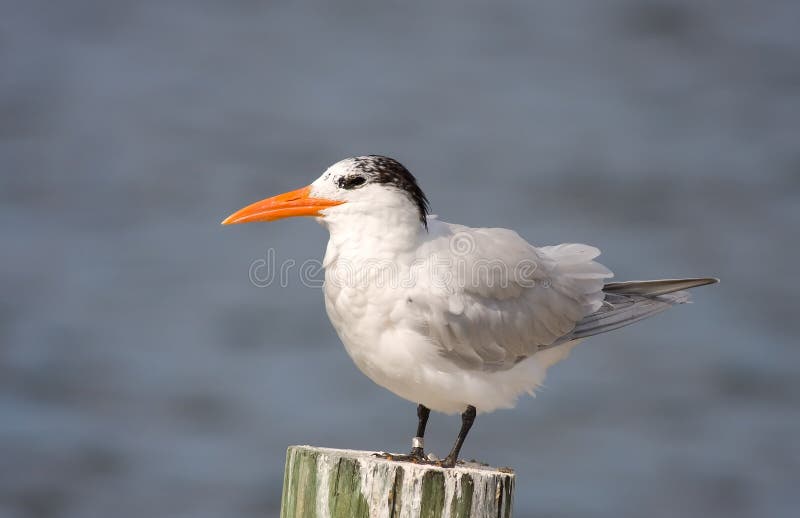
(377, 235)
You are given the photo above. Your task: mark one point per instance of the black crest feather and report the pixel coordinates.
(382, 169)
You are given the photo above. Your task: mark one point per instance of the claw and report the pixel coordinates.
(448, 464)
(417, 456)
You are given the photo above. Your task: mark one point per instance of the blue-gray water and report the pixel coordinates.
(142, 374)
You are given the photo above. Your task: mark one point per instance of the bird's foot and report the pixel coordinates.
(447, 462)
(416, 455)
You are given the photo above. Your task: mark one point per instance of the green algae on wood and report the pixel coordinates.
(432, 505)
(344, 494)
(300, 483)
(328, 483)
(462, 502)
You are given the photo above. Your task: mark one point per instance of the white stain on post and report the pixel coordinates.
(356, 483)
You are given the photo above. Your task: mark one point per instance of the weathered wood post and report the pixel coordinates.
(328, 483)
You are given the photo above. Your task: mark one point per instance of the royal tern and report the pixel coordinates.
(452, 318)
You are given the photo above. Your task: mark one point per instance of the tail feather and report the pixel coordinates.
(657, 287)
(629, 302)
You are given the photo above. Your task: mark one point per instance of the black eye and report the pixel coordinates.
(351, 182)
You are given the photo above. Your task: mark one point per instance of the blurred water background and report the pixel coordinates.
(142, 374)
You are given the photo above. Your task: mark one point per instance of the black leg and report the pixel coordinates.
(417, 453)
(467, 418)
(417, 445)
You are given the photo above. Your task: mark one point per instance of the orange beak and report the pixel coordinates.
(286, 205)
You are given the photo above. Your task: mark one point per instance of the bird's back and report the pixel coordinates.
(488, 299)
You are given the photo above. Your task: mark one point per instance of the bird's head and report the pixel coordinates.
(350, 191)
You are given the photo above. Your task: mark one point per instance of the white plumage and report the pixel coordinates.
(466, 331)
(447, 316)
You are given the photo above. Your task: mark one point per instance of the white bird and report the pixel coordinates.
(453, 318)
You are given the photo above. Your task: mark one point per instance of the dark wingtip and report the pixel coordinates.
(703, 281)
(658, 286)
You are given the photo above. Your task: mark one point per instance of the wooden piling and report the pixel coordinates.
(329, 483)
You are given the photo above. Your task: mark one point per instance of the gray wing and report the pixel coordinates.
(495, 318)
(629, 302)
(491, 322)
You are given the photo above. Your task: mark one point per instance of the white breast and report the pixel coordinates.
(379, 302)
